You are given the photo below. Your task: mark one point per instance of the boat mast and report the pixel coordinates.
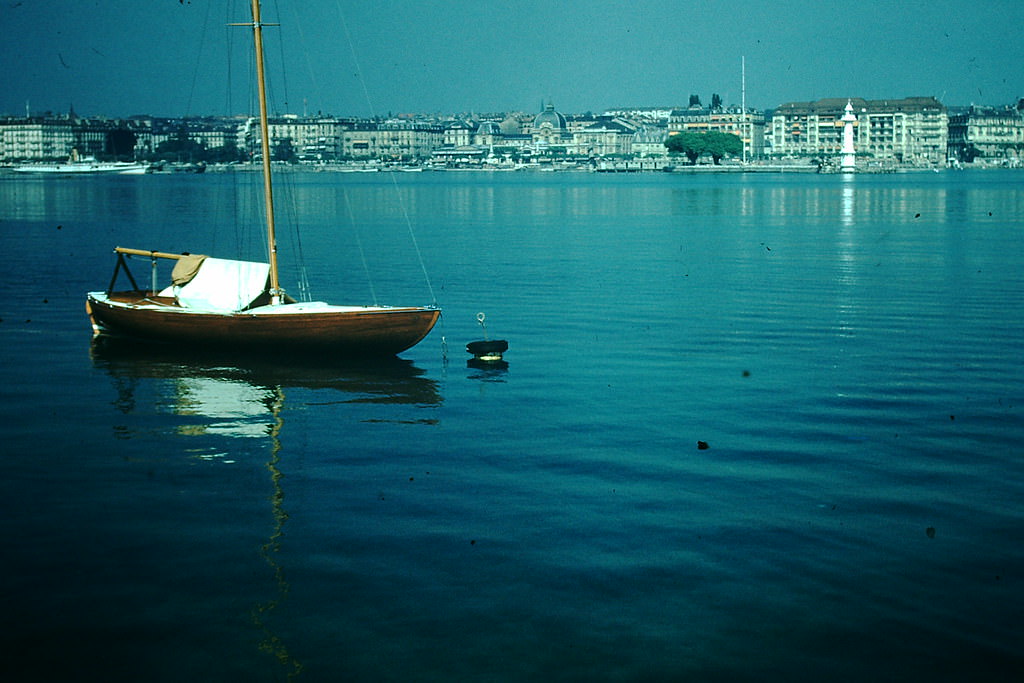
(268, 192)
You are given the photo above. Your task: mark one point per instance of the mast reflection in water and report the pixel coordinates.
(231, 396)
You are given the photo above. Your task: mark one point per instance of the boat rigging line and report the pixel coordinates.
(359, 244)
(394, 180)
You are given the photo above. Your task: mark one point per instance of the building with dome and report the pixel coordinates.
(549, 118)
(549, 129)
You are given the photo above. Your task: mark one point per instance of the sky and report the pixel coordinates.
(379, 57)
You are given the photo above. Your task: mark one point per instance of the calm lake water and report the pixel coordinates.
(850, 350)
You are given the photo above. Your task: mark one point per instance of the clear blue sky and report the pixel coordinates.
(169, 57)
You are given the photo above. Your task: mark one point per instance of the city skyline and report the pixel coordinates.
(167, 57)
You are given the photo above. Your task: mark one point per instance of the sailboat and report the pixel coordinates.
(213, 302)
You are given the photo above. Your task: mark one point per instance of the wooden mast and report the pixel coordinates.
(257, 28)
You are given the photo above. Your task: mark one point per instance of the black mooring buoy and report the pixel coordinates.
(489, 350)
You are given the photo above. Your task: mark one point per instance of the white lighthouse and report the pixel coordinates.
(848, 162)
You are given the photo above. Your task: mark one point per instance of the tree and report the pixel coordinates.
(686, 142)
(284, 150)
(226, 154)
(714, 143)
(719, 144)
(181, 147)
(120, 144)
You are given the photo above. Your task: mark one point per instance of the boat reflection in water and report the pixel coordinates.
(230, 396)
(207, 381)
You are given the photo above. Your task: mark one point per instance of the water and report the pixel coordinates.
(848, 349)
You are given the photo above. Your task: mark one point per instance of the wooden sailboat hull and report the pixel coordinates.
(372, 330)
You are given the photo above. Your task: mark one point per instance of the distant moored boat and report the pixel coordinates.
(82, 166)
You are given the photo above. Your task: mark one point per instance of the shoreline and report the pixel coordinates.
(626, 167)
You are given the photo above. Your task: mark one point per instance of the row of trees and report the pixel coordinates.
(182, 148)
(713, 143)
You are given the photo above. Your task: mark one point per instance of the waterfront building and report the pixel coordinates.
(35, 139)
(989, 133)
(514, 123)
(519, 143)
(313, 138)
(747, 124)
(487, 135)
(551, 132)
(549, 129)
(911, 130)
(457, 133)
(57, 138)
(649, 141)
(605, 137)
(574, 123)
(460, 156)
(405, 140)
(211, 131)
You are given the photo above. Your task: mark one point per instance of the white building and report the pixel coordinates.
(57, 138)
(912, 130)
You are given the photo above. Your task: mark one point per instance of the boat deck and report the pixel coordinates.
(141, 298)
